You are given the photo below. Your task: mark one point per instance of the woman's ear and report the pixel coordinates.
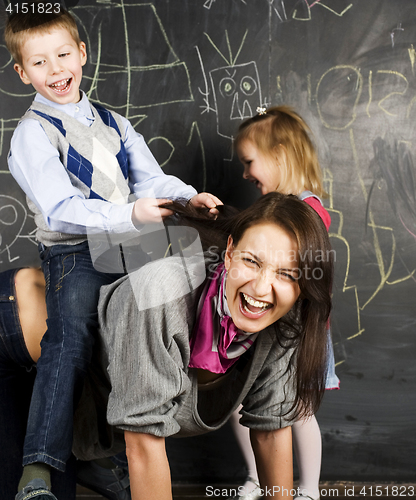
(228, 253)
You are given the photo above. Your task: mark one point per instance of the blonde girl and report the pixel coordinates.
(277, 153)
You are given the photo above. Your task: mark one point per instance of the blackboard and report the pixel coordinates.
(186, 72)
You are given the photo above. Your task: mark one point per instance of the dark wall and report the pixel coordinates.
(186, 73)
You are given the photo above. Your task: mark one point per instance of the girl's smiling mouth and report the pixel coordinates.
(254, 181)
(253, 308)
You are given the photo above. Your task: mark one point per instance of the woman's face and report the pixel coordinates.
(262, 281)
(258, 168)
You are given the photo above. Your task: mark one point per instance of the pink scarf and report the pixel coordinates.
(216, 343)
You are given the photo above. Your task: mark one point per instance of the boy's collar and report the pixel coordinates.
(80, 108)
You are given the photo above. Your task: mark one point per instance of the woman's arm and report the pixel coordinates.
(148, 467)
(273, 452)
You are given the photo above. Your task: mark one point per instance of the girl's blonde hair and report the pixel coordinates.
(283, 136)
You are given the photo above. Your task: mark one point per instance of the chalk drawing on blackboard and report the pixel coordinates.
(5, 57)
(235, 89)
(338, 91)
(6, 62)
(351, 94)
(13, 216)
(206, 108)
(308, 6)
(395, 74)
(393, 33)
(208, 3)
(412, 56)
(350, 79)
(278, 7)
(385, 261)
(196, 132)
(342, 286)
(393, 169)
(136, 74)
(167, 146)
(7, 127)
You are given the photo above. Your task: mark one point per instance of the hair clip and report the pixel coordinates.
(261, 111)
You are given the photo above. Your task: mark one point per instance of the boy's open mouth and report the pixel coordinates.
(253, 306)
(62, 85)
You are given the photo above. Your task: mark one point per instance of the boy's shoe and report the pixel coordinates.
(35, 490)
(113, 484)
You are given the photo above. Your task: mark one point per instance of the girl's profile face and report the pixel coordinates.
(262, 280)
(258, 168)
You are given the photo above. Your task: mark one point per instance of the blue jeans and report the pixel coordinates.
(17, 375)
(72, 293)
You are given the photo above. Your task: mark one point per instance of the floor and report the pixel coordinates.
(341, 491)
(179, 492)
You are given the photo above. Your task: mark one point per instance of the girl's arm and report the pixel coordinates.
(148, 467)
(273, 452)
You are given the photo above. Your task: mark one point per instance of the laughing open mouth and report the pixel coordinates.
(254, 306)
(255, 182)
(61, 86)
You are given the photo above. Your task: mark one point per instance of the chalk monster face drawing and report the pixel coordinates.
(237, 93)
(233, 91)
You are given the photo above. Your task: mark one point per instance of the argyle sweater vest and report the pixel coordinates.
(94, 157)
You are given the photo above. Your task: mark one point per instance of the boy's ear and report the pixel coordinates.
(21, 72)
(83, 53)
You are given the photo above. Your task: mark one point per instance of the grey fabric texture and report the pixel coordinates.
(147, 353)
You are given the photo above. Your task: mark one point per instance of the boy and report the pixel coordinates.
(77, 164)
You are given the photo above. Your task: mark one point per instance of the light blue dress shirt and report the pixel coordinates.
(36, 166)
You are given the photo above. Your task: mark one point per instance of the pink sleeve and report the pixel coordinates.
(317, 206)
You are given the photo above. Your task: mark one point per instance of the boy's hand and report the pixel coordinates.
(206, 200)
(147, 211)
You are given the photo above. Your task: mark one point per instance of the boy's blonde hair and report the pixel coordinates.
(20, 27)
(281, 133)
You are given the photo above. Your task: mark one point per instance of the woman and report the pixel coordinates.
(182, 355)
(22, 325)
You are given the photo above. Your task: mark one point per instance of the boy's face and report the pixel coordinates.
(52, 62)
